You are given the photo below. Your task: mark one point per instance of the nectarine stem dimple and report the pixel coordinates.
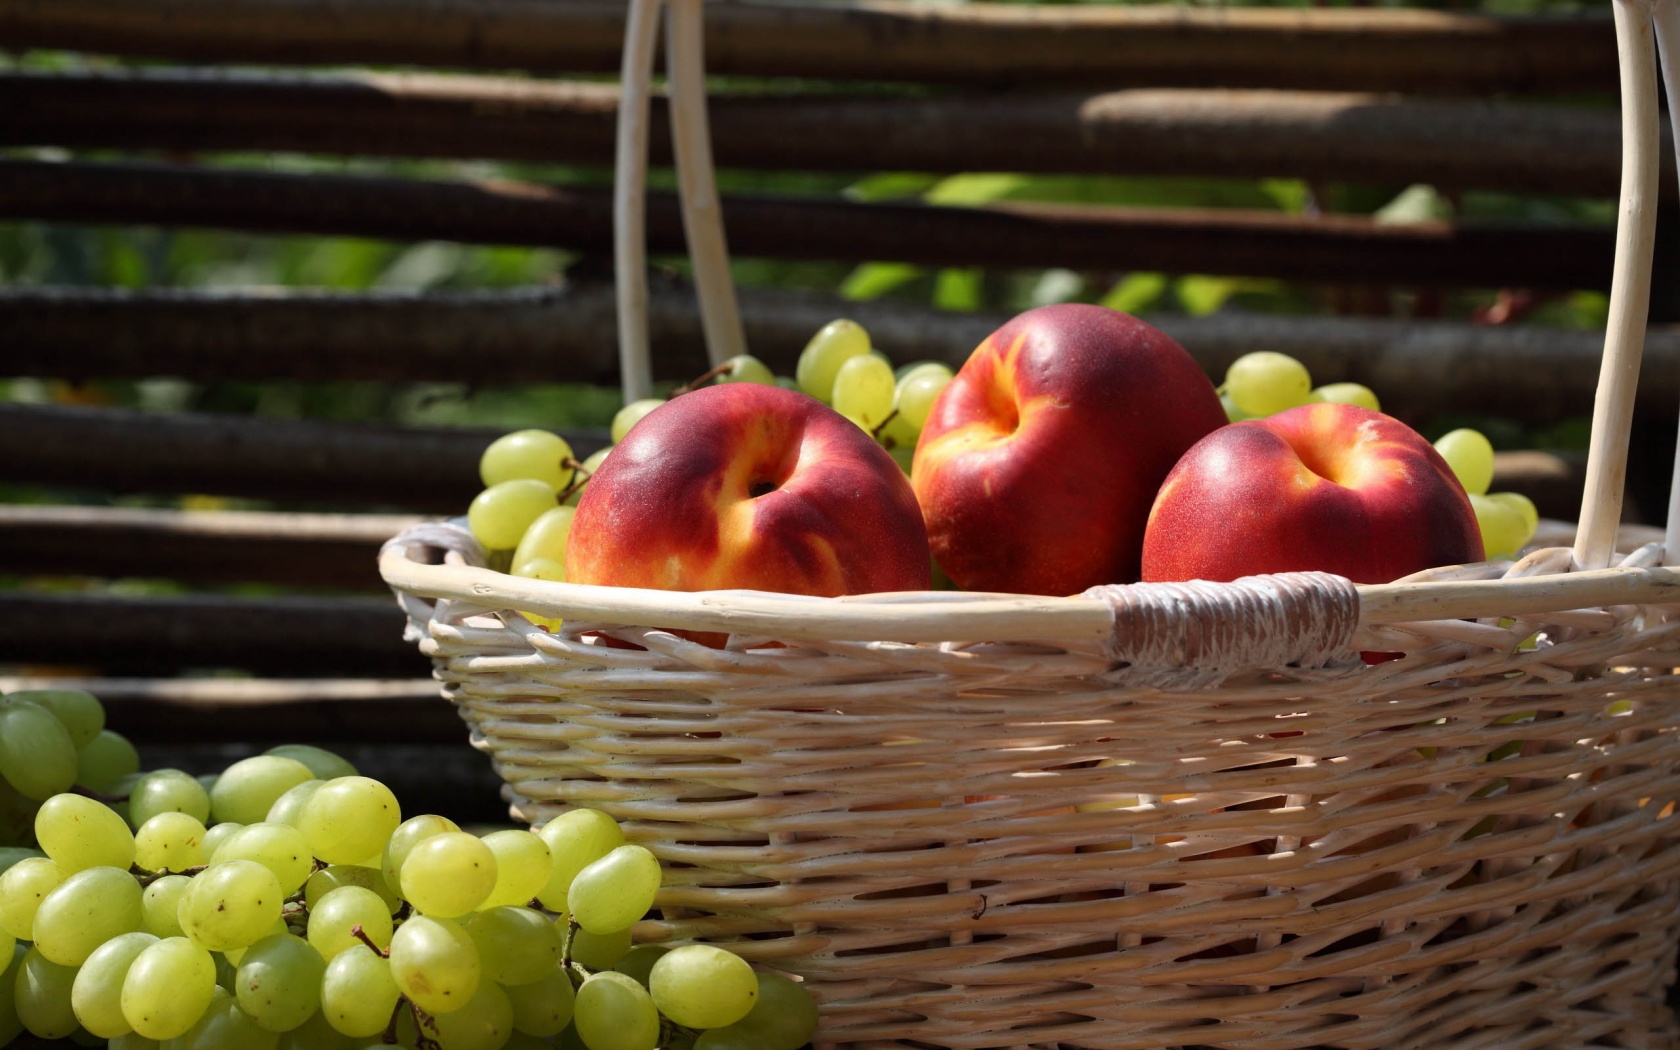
(760, 488)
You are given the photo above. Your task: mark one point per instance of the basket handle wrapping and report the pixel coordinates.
(1305, 619)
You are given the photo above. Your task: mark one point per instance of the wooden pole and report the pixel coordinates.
(629, 199)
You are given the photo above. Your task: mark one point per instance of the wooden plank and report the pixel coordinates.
(221, 710)
(335, 552)
(345, 464)
(1421, 368)
(1116, 46)
(1324, 137)
(1338, 249)
(278, 635)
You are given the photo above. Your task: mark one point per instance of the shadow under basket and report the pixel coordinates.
(1281, 813)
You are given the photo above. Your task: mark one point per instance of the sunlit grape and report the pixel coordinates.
(279, 982)
(289, 807)
(532, 453)
(84, 911)
(326, 765)
(483, 1023)
(280, 848)
(546, 536)
(349, 819)
(448, 875)
(863, 390)
(745, 368)
(358, 992)
(168, 987)
(517, 945)
(523, 866)
(336, 915)
(1348, 394)
(435, 963)
(613, 1012)
(231, 905)
(160, 905)
(1265, 381)
(333, 876)
(1470, 455)
(96, 992)
(1524, 506)
(77, 832)
(499, 515)
(575, 839)
(1504, 530)
(246, 790)
(918, 389)
(630, 415)
(169, 841)
(23, 887)
(703, 986)
(409, 834)
(614, 892)
(834, 344)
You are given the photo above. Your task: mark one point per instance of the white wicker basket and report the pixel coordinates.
(1149, 816)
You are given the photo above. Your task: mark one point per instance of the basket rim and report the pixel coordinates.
(1468, 592)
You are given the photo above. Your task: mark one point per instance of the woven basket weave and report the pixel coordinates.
(1156, 816)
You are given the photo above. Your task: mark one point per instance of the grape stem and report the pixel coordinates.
(580, 474)
(421, 1019)
(146, 878)
(882, 425)
(360, 934)
(390, 1035)
(699, 381)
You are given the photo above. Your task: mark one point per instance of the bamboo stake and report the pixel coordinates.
(641, 34)
(1630, 289)
(691, 142)
(1667, 21)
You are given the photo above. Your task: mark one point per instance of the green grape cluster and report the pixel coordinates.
(532, 482)
(287, 904)
(1265, 382)
(53, 741)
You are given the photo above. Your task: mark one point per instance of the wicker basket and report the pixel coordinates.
(1148, 816)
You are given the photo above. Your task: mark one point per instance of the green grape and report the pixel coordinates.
(37, 755)
(169, 842)
(613, 1012)
(317, 1033)
(834, 344)
(44, 995)
(231, 905)
(96, 992)
(1232, 412)
(1525, 507)
(409, 834)
(631, 414)
(288, 808)
(11, 1026)
(542, 1007)
(226, 1026)
(518, 1040)
(331, 878)
(575, 839)
(598, 951)
(1470, 455)
(160, 906)
(703, 986)
(22, 888)
(168, 988)
(167, 791)
(1265, 381)
(234, 956)
(615, 891)
(216, 834)
(638, 961)
(1347, 394)
(536, 454)
(279, 982)
(358, 992)
(104, 760)
(278, 847)
(1503, 528)
(917, 390)
(546, 537)
(500, 514)
(730, 1037)
(246, 790)
(7, 943)
(17, 821)
(484, 1023)
(81, 713)
(337, 913)
(745, 368)
(349, 819)
(863, 390)
(84, 911)
(590, 465)
(523, 866)
(435, 963)
(448, 875)
(905, 457)
(326, 765)
(77, 832)
(517, 945)
(783, 1017)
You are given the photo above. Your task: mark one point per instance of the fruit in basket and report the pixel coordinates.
(527, 453)
(1265, 382)
(1039, 460)
(749, 486)
(1324, 486)
(833, 345)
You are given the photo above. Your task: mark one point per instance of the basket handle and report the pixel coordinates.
(1667, 22)
(1630, 289)
(720, 317)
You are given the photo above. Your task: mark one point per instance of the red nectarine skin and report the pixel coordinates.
(1326, 487)
(1039, 461)
(749, 486)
